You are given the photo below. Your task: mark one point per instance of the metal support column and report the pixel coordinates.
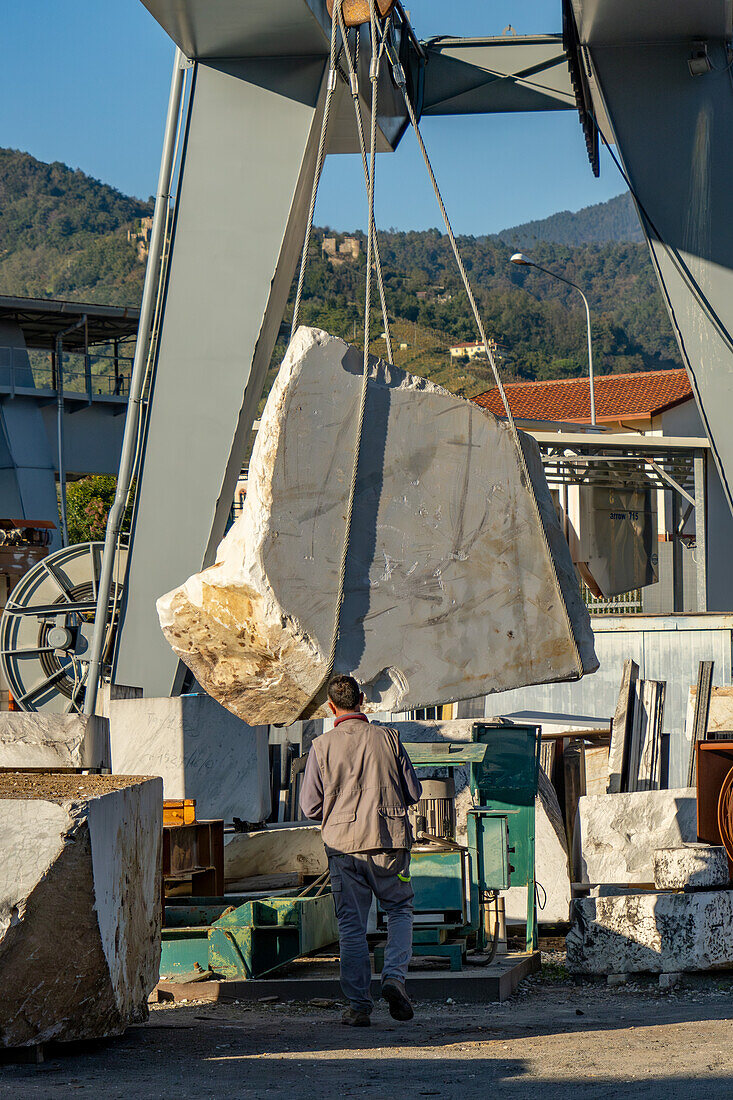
(701, 519)
(137, 382)
(242, 205)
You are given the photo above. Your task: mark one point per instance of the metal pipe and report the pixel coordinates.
(134, 406)
(60, 426)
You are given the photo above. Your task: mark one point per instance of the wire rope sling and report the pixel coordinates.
(347, 19)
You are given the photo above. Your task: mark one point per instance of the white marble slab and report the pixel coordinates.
(200, 750)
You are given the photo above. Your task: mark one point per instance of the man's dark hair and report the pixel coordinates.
(344, 692)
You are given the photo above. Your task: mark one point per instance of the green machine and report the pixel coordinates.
(456, 884)
(245, 938)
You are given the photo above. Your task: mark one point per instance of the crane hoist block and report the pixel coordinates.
(356, 12)
(458, 578)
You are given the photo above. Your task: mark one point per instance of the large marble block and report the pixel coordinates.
(33, 740)
(654, 933)
(199, 749)
(79, 904)
(616, 835)
(458, 581)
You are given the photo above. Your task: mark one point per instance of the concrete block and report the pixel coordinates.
(669, 981)
(617, 979)
(79, 904)
(651, 933)
(278, 850)
(616, 835)
(199, 749)
(459, 580)
(34, 740)
(697, 865)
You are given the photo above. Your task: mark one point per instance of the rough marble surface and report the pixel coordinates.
(653, 933)
(79, 907)
(32, 740)
(695, 865)
(199, 749)
(451, 589)
(274, 852)
(616, 835)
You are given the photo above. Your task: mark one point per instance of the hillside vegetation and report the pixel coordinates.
(604, 223)
(63, 234)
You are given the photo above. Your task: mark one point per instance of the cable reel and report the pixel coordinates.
(46, 628)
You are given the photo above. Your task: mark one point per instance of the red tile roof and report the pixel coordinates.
(618, 397)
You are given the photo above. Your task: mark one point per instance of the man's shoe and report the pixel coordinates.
(353, 1017)
(400, 1006)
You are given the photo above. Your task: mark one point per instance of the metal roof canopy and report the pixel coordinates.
(622, 461)
(41, 320)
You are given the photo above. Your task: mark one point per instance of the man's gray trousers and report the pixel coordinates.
(354, 880)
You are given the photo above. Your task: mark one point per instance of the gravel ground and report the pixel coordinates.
(567, 1039)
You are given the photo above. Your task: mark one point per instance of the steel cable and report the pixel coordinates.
(320, 159)
(353, 64)
(401, 82)
(374, 78)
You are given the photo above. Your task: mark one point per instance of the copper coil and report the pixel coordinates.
(356, 12)
(725, 814)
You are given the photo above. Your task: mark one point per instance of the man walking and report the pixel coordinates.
(358, 783)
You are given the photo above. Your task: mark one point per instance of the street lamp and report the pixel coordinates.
(524, 261)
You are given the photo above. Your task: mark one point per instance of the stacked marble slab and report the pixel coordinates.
(79, 904)
(33, 740)
(458, 579)
(659, 902)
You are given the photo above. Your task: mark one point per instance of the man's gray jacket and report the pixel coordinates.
(358, 783)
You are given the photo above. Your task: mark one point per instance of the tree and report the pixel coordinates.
(88, 502)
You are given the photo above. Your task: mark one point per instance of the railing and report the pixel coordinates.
(628, 603)
(96, 374)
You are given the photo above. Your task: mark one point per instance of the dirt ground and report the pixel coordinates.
(554, 1039)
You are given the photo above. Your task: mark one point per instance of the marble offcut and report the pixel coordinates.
(79, 904)
(458, 583)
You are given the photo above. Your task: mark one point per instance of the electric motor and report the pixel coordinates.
(435, 813)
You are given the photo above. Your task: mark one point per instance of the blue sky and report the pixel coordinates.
(86, 82)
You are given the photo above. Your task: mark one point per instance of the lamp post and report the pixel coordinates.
(524, 261)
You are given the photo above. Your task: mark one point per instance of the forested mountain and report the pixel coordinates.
(603, 223)
(539, 321)
(63, 234)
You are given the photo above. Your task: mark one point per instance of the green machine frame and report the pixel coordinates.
(506, 782)
(452, 881)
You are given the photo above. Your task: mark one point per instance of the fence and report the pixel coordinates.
(96, 374)
(628, 603)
